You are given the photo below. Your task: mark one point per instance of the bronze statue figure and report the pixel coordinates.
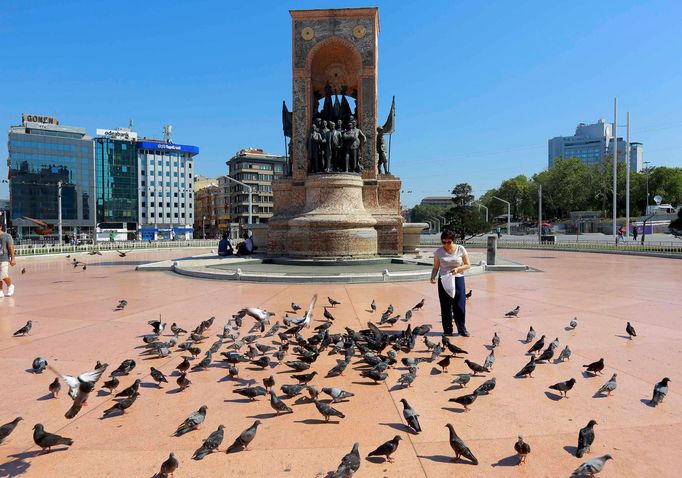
(353, 139)
(381, 151)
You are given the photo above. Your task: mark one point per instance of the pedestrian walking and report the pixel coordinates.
(635, 231)
(7, 259)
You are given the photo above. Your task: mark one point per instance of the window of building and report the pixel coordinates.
(143, 183)
(143, 194)
(167, 194)
(160, 204)
(142, 172)
(175, 194)
(175, 184)
(151, 214)
(167, 204)
(168, 215)
(167, 184)
(189, 165)
(144, 214)
(124, 169)
(183, 215)
(175, 174)
(175, 204)
(176, 215)
(151, 193)
(144, 204)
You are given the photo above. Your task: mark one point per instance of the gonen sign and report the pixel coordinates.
(26, 118)
(117, 134)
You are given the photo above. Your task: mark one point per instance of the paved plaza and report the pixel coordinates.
(74, 325)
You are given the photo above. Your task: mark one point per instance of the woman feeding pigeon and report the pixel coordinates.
(449, 263)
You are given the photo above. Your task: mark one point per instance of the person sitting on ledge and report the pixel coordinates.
(246, 247)
(224, 247)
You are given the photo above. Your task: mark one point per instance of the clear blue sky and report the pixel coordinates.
(480, 86)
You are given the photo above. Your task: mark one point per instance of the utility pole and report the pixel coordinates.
(627, 176)
(646, 209)
(540, 213)
(249, 189)
(508, 213)
(615, 161)
(59, 211)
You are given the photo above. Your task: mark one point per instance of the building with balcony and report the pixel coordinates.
(256, 169)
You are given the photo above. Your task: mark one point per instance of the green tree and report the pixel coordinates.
(424, 212)
(464, 218)
(676, 225)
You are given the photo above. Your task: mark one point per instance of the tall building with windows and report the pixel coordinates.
(41, 154)
(166, 193)
(116, 182)
(257, 169)
(591, 143)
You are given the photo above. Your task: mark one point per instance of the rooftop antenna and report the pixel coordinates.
(167, 133)
(130, 124)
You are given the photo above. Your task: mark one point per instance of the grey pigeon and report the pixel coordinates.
(592, 466)
(350, 463)
(278, 405)
(565, 354)
(295, 307)
(292, 390)
(514, 312)
(25, 329)
(546, 355)
(251, 392)
(304, 377)
(210, 445)
(496, 340)
(573, 323)
(80, 400)
(630, 330)
(531, 335)
(128, 392)
(406, 379)
(123, 405)
(7, 429)
(486, 387)
(660, 391)
(490, 359)
(422, 329)
(374, 375)
(476, 368)
(169, 466)
(47, 440)
(39, 365)
(465, 400)
(563, 387)
(459, 447)
(585, 439)
(244, 438)
(327, 410)
(338, 368)
(522, 449)
(462, 379)
(411, 416)
(313, 391)
(609, 386)
(429, 344)
(337, 394)
(183, 382)
(177, 330)
(125, 368)
(192, 422)
(55, 387)
(387, 449)
(158, 376)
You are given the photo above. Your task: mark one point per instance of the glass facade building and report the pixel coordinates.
(41, 155)
(116, 182)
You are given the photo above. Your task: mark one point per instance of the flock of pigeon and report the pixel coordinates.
(267, 345)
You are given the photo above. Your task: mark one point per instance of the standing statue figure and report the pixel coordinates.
(381, 151)
(337, 164)
(323, 154)
(333, 142)
(314, 147)
(353, 139)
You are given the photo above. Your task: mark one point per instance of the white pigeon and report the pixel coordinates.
(574, 323)
(592, 466)
(74, 382)
(307, 317)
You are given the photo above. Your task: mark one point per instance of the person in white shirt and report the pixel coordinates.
(449, 263)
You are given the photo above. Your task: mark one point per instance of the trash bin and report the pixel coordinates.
(549, 238)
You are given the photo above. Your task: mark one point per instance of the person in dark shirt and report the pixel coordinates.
(224, 247)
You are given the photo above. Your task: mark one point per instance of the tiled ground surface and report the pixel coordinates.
(74, 325)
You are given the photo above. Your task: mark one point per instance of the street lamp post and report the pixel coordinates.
(484, 207)
(646, 209)
(59, 211)
(508, 213)
(249, 189)
(203, 226)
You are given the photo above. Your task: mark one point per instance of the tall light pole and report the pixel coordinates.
(203, 226)
(615, 161)
(508, 213)
(249, 189)
(646, 209)
(627, 176)
(484, 207)
(59, 211)
(540, 213)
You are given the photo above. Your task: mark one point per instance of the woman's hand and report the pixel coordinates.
(433, 281)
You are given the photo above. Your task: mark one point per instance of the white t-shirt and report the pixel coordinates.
(448, 262)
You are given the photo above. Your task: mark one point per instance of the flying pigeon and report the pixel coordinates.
(563, 387)
(585, 439)
(350, 463)
(459, 447)
(609, 386)
(513, 312)
(210, 444)
(660, 391)
(387, 449)
(7, 429)
(47, 440)
(192, 422)
(523, 449)
(411, 416)
(244, 438)
(592, 466)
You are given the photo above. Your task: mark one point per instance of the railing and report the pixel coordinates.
(39, 249)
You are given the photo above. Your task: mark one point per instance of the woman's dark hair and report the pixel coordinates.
(224, 235)
(447, 234)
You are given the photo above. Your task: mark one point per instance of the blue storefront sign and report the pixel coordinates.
(181, 148)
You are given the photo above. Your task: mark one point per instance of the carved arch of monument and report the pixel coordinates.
(337, 61)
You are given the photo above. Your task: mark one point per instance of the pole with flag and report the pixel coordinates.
(389, 128)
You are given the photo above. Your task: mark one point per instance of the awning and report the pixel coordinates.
(183, 229)
(148, 229)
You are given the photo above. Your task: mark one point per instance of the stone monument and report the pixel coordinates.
(334, 203)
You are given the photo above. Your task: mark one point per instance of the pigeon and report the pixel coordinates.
(592, 466)
(158, 376)
(55, 387)
(74, 383)
(660, 391)
(513, 312)
(408, 315)
(125, 368)
(123, 405)
(128, 392)
(169, 466)
(373, 306)
(7, 429)
(496, 340)
(177, 330)
(251, 392)
(422, 329)
(462, 379)
(333, 302)
(387, 449)
(454, 350)
(546, 355)
(630, 330)
(459, 447)
(111, 384)
(47, 440)
(244, 438)
(563, 387)
(278, 405)
(468, 294)
(25, 329)
(609, 386)
(527, 369)
(486, 387)
(406, 379)
(183, 382)
(537, 346)
(374, 375)
(81, 399)
(522, 448)
(565, 354)
(490, 359)
(476, 368)
(192, 422)
(338, 368)
(465, 400)
(585, 439)
(350, 463)
(269, 382)
(444, 363)
(210, 444)
(595, 367)
(531, 335)
(429, 344)
(327, 410)
(336, 393)
(419, 305)
(304, 377)
(411, 416)
(573, 323)
(273, 330)
(328, 315)
(157, 326)
(184, 365)
(292, 390)
(122, 304)
(205, 362)
(39, 365)
(23, 271)
(295, 307)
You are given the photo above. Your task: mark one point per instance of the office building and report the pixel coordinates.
(166, 193)
(43, 153)
(591, 143)
(439, 201)
(256, 169)
(206, 208)
(116, 183)
(224, 218)
(201, 182)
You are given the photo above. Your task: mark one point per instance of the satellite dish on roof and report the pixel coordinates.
(658, 199)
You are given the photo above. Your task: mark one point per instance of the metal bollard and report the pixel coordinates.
(492, 250)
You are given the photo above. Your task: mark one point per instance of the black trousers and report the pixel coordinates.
(453, 309)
